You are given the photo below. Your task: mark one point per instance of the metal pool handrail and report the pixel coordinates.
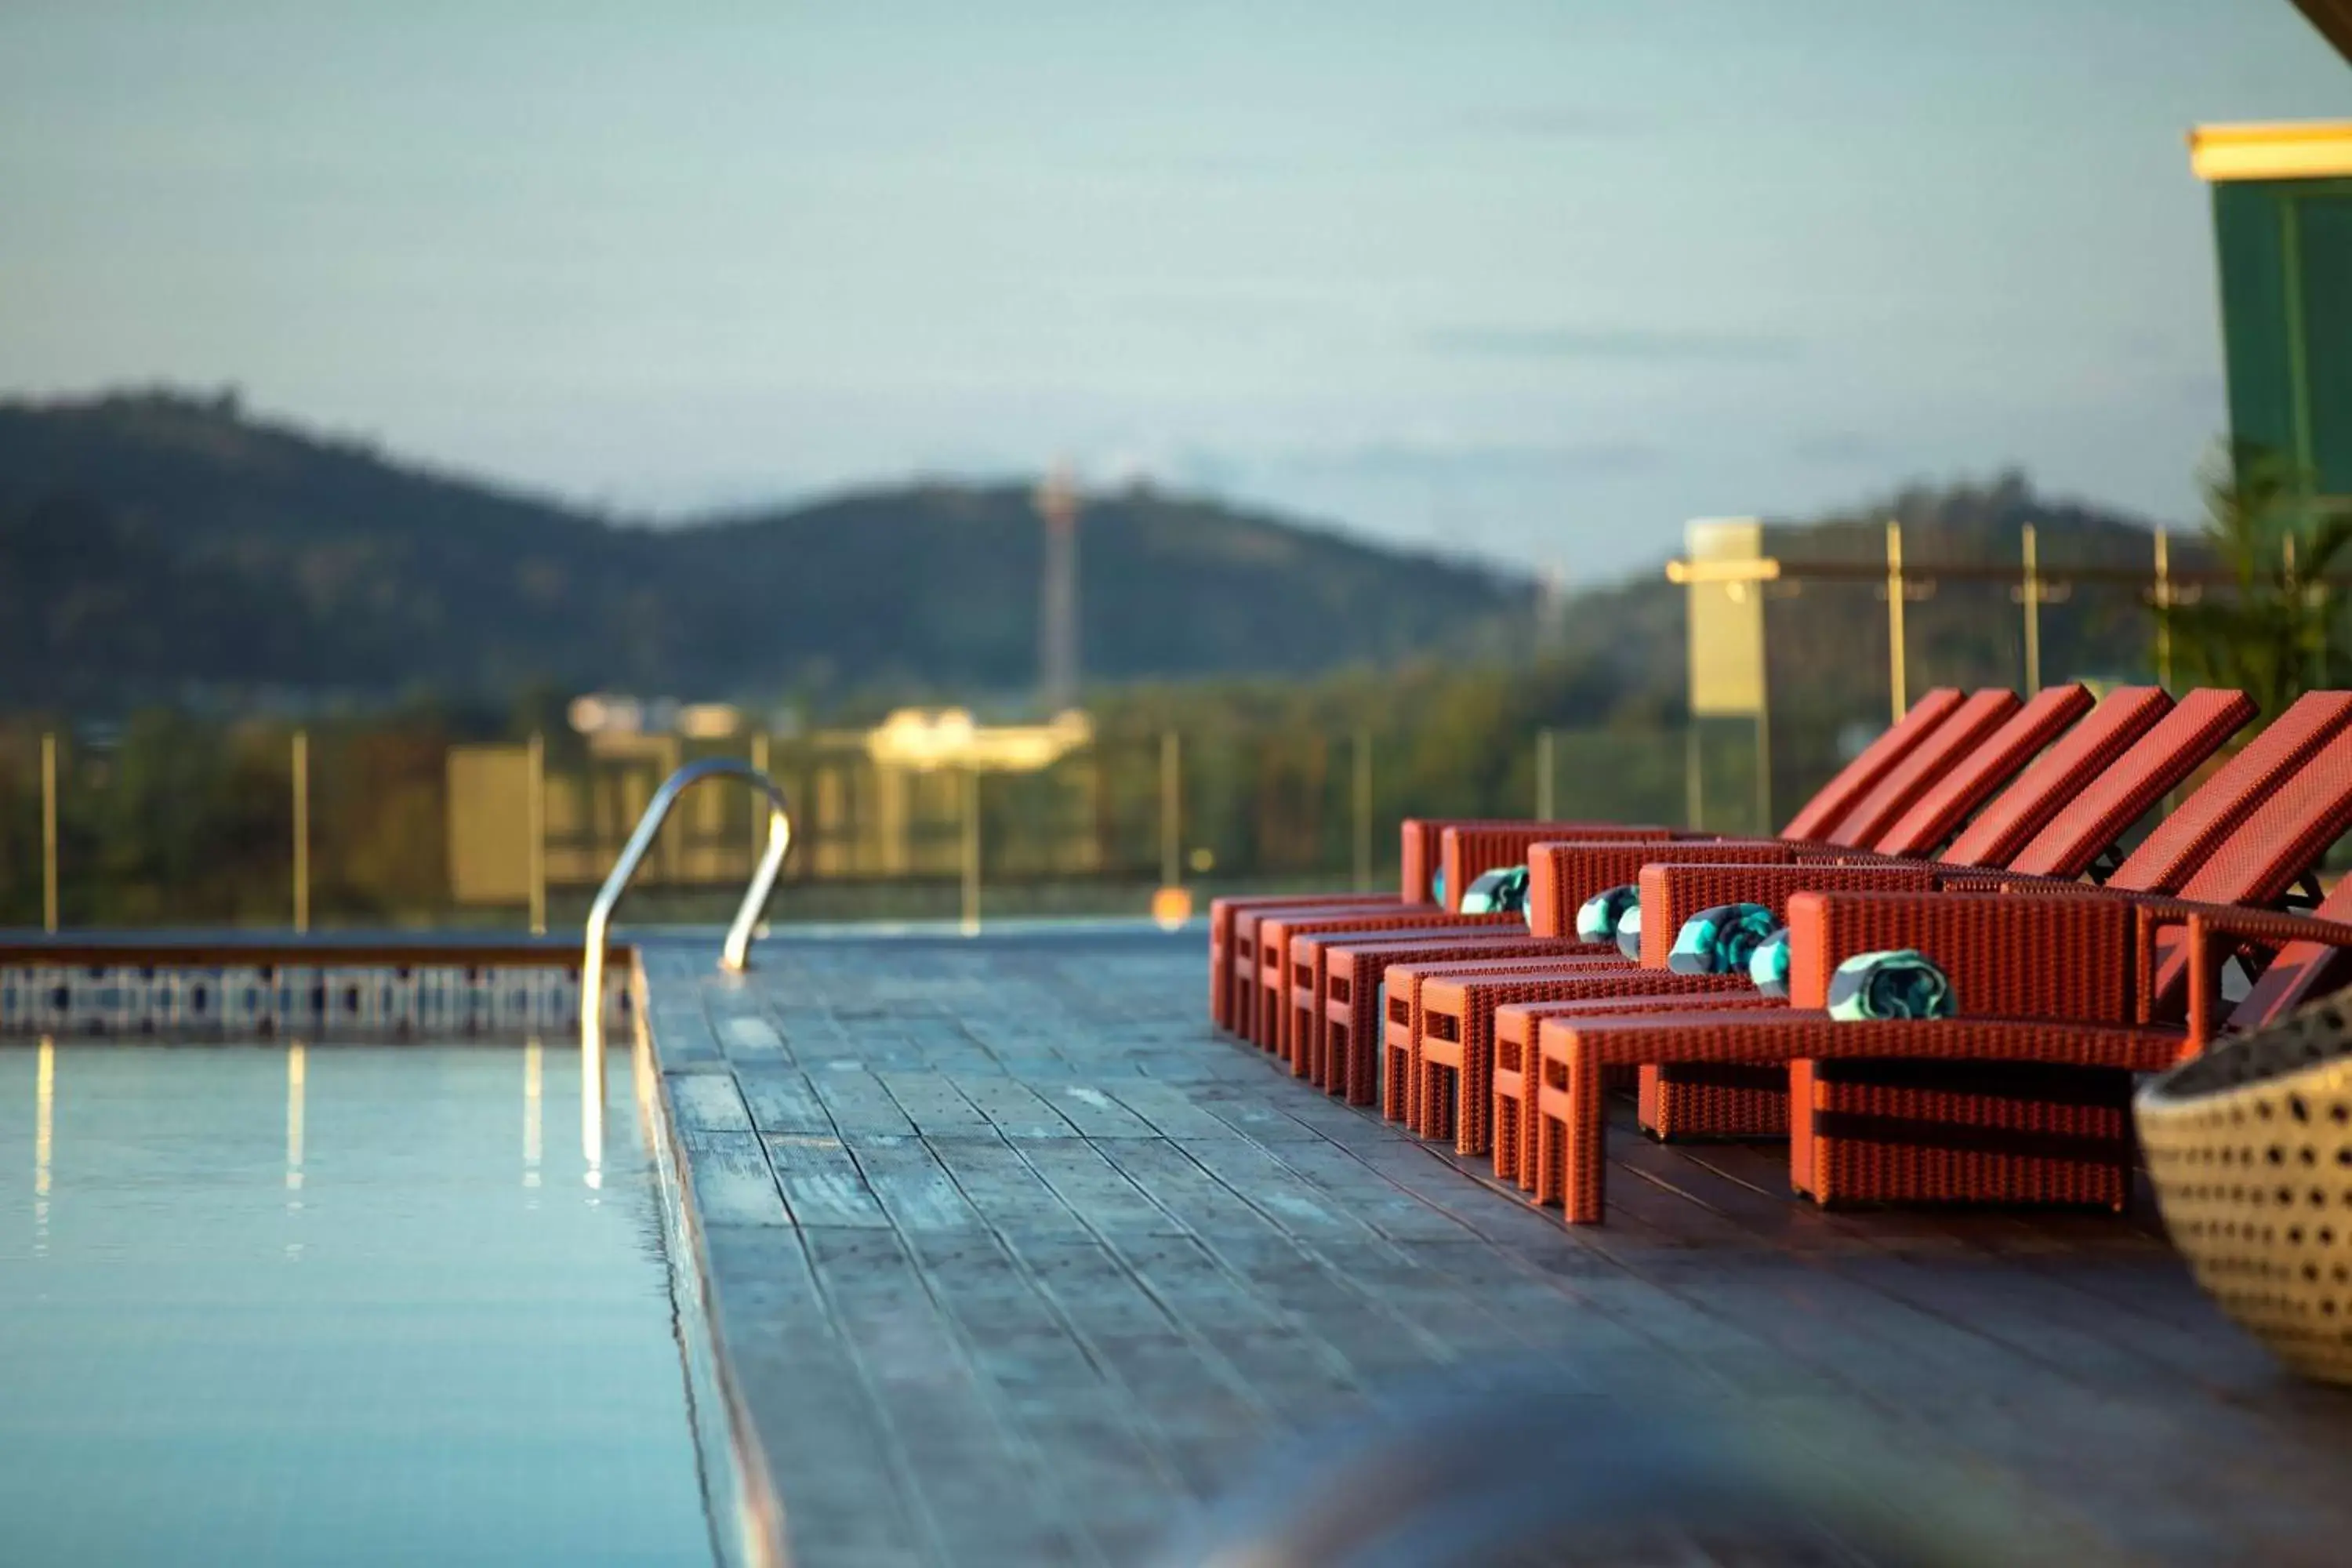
(736, 954)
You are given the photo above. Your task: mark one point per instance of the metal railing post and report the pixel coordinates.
(2030, 594)
(1899, 673)
(1694, 784)
(1362, 814)
(1172, 809)
(49, 832)
(971, 852)
(1544, 777)
(534, 811)
(301, 764)
(2163, 597)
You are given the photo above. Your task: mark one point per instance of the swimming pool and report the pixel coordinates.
(348, 1303)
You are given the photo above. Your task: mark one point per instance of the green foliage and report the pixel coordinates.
(2278, 634)
(177, 820)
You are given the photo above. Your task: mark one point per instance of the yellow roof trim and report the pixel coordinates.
(2294, 149)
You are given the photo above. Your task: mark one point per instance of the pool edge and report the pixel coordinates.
(754, 1522)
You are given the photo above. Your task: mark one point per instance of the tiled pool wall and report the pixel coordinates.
(423, 1000)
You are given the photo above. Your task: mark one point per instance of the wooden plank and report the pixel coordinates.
(681, 1035)
(1095, 1191)
(1356, 1188)
(860, 1106)
(912, 1188)
(991, 1497)
(1200, 1413)
(821, 1182)
(1014, 1109)
(1292, 1201)
(780, 1101)
(732, 1183)
(748, 1037)
(1112, 1482)
(1286, 1367)
(933, 1105)
(1206, 1206)
(1010, 1195)
(826, 1443)
(1170, 1111)
(1254, 1114)
(706, 1102)
(1095, 1113)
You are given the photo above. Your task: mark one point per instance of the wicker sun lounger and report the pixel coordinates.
(1983, 738)
(2040, 1110)
(1449, 1044)
(1233, 921)
(2238, 808)
(1236, 964)
(1224, 913)
(1937, 731)
(2243, 842)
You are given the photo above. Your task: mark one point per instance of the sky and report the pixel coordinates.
(1534, 281)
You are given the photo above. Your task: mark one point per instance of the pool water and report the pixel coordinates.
(346, 1304)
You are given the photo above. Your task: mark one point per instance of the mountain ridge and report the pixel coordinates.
(157, 546)
(136, 529)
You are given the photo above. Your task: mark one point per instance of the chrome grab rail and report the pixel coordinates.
(737, 952)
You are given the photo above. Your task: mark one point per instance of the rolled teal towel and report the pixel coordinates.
(1596, 916)
(1437, 889)
(1900, 983)
(1720, 940)
(1498, 891)
(1769, 964)
(1629, 931)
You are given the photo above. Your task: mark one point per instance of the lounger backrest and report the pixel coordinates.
(2174, 856)
(1423, 848)
(1417, 857)
(2103, 751)
(1834, 800)
(1968, 783)
(1972, 723)
(2127, 790)
(1469, 852)
(2290, 828)
(2302, 971)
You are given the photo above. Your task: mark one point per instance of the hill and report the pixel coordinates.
(155, 546)
(158, 547)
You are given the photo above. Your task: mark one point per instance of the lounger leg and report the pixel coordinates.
(1474, 1099)
(1508, 1088)
(1396, 1080)
(1551, 1110)
(1587, 1153)
(1437, 1117)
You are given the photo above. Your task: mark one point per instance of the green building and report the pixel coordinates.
(2283, 227)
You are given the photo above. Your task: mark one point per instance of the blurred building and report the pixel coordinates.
(2282, 229)
(886, 802)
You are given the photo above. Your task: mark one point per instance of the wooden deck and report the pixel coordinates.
(1016, 1260)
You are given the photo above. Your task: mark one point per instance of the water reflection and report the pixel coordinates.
(592, 1109)
(45, 1099)
(534, 1109)
(457, 1372)
(296, 1070)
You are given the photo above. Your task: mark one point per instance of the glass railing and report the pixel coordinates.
(168, 821)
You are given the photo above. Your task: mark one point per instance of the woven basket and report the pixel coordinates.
(2250, 1149)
